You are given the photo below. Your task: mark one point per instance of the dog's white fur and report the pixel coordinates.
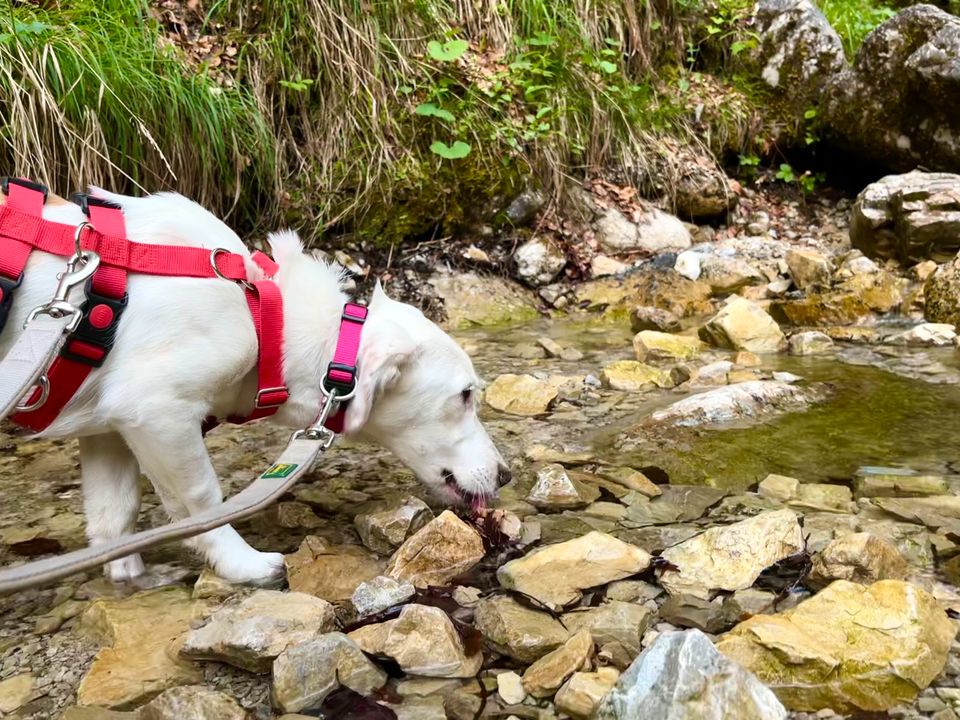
(186, 349)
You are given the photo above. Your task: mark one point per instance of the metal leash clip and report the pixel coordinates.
(318, 430)
(80, 268)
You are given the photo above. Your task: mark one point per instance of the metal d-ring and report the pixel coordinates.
(216, 270)
(25, 405)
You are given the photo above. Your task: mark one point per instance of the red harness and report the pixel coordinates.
(22, 229)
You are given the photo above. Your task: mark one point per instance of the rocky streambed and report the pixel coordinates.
(703, 533)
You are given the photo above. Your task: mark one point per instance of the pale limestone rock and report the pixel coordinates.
(862, 558)
(539, 261)
(384, 530)
(632, 375)
(651, 345)
(602, 266)
(555, 574)
(632, 480)
(510, 688)
(809, 269)
(779, 487)
(471, 301)
(192, 701)
(613, 621)
(379, 594)
(556, 488)
(849, 648)
(733, 556)
(211, 585)
(651, 318)
(305, 674)
(141, 635)
(812, 342)
(15, 692)
(743, 325)
(823, 497)
(423, 641)
(896, 482)
(926, 335)
(546, 675)
(525, 394)
(681, 676)
(734, 402)
(330, 572)
(518, 631)
(251, 635)
(581, 694)
(438, 552)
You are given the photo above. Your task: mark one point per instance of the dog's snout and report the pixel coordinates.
(504, 476)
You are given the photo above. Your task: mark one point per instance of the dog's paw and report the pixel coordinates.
(253, 568)
(124, 569)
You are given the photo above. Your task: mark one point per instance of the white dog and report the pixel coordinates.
(186, 349)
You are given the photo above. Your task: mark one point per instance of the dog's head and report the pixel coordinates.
(417, 396)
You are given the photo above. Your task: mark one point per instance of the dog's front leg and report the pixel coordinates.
(111, 497)
(172, 454)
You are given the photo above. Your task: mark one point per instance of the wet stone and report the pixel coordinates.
(379, 594)
(252, 634)
(518, 631)
(676, 503)
(385, 528)
(440, 551)
(305, 674)
(555, 488)
(546, 675)
(555, 574)
(896, 482)
(681, 676)
(192, 701)
(331, 572)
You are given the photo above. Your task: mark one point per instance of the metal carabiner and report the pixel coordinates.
(80, 268)
(318, 429)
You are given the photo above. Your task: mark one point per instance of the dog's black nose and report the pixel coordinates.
(504, 475)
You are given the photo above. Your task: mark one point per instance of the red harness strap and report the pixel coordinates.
(22, 229)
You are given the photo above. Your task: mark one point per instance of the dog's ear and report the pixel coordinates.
(384, 352)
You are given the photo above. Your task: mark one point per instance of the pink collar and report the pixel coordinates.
(340, 380)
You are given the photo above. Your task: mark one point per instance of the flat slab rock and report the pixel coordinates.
(555, 574)
(849, 647)
(731, 557)
(423, 641)
(192, 701)
(727, 404)
(683, 677)
(305, 674)
(440, 551)
(250, 635)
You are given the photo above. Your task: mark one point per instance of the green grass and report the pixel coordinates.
(89, 96)
(342, 120)
(855, 19)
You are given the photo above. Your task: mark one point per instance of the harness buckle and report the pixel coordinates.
(7, 286)
(93, 339)
(85, 201)
(344, 389)
(5, 183)
(273, 397)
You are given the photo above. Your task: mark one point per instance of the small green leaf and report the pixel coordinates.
(431, 110)
(608, 67)
(810, 113)
(458, 150)
(448, 51)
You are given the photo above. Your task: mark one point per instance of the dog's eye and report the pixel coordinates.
(467, 396)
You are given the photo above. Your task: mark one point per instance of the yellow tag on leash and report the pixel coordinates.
(280, 470)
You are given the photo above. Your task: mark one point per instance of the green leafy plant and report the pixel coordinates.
(298, 84)
(855, 19)
(448, 51)
(458, 150)
(431, 110)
